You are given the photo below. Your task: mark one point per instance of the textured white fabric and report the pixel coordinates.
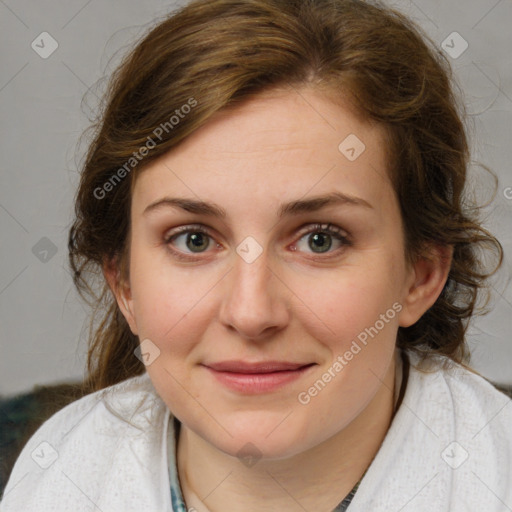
(449, 448)
(104, 463)
(97, 461)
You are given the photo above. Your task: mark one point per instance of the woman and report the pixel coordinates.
(274, 196)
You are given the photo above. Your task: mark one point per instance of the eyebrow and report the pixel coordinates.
(289, 209)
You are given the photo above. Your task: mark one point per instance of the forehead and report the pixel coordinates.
(291, 142)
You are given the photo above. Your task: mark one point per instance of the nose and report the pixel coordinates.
(254, 303)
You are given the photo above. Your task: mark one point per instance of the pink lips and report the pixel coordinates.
(261, 377)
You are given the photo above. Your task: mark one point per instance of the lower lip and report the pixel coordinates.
(254, 383)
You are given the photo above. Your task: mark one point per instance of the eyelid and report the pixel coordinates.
(309, 227)
(189, 227)
(325, 227)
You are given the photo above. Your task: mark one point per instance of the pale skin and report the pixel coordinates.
(291, 303)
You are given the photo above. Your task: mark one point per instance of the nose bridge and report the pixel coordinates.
(252, 303)
(252, 277)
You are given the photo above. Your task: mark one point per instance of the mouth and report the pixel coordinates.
(259, 377)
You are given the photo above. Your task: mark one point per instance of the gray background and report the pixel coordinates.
(43, 324)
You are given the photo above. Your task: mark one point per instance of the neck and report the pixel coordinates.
(213, 481)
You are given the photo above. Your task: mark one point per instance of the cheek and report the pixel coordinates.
(348, 303)
(170, 314)
(356, 319)
(161, 302)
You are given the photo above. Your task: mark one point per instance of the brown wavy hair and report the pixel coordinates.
(221, 52)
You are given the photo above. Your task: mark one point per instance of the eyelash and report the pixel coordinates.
(329, 229)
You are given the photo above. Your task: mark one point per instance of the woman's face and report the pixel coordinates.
(261, 284)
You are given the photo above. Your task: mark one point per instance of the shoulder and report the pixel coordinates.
(446, 447)
(89, 444)
(465, 393)
(132, 402)
(470, 424)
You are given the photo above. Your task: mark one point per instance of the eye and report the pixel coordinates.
(320, 238)
(189, 239)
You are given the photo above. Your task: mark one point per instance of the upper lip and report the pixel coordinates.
(259, 367)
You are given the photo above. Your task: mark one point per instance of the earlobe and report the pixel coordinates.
(120, 291)
(126, 308)
(427, 279)
(125, 304)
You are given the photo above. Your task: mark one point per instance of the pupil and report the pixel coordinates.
(320, 238)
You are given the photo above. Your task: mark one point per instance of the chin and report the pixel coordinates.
(249, 448)
(260, 438)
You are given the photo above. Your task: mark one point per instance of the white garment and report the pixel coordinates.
(449, 448)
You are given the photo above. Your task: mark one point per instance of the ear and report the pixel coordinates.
(121, 291)
(428, 276)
